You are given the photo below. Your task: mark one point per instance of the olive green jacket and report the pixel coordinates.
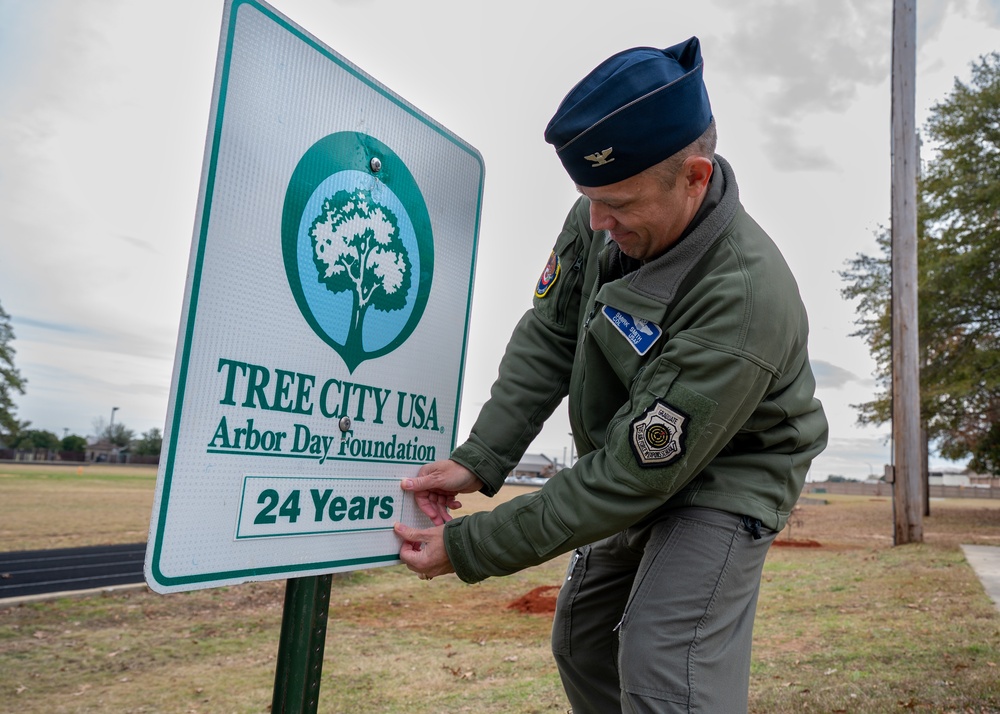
(688, 380)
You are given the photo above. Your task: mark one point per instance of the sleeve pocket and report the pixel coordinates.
(557, 289)
(542, 526)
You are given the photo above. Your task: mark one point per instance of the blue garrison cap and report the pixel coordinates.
(635, 109)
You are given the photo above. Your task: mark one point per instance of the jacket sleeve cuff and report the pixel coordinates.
(459, 549)
(482, 464)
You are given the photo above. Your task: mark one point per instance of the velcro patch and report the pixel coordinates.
(640, 333)
(657, 436)
(548, 276)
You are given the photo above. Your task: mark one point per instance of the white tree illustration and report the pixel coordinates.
(357, 247)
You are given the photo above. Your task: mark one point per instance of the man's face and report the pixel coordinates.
(644, 216)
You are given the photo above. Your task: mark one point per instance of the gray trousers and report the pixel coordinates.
(659, 618)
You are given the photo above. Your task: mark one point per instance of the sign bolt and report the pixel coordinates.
(375, 164)
(345, 422)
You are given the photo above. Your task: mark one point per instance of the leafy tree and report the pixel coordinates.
(357, 248)
(117, 434)
(73, 442)
(35, 439)
(959, 277)
(10, 380)
(150, 444)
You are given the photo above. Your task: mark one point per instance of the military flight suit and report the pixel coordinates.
(690, 396)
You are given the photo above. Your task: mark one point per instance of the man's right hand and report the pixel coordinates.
(436, 485)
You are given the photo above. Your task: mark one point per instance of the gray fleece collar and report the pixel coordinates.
(661, 277)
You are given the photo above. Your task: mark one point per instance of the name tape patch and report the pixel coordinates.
(640, 333)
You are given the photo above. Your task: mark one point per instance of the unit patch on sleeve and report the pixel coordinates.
(641, 334)
(657, 437)
(548, 277)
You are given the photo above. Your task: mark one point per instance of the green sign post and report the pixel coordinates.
(331, 264)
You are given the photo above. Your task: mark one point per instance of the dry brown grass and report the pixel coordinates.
(53, 506)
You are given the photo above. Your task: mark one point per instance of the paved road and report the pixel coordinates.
(36, 572)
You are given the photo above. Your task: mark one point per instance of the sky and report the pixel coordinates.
(104, 108)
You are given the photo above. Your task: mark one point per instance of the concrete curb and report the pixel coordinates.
(985, 560)
(42, 597)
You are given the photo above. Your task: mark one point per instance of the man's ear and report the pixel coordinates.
(697, 172)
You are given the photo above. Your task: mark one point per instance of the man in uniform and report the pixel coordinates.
(673, 324)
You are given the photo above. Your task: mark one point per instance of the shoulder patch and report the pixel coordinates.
(641, 334)
(549, 275)
(657, 436)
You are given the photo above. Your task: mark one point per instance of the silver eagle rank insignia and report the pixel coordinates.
(600, 158)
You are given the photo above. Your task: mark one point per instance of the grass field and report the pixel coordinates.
(854, 625)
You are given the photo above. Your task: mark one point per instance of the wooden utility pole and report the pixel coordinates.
(907, 503)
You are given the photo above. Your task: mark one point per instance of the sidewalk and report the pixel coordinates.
(985, 560)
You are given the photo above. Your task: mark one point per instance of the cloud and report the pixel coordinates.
(932, 14)
(137, 243)
(813, 55)
(18, 321)
(830, 376)
(800, 58)
(137, 343)
(786, 150)
(856, 457)
(990, 10)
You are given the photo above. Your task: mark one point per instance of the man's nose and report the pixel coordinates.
(600, 217)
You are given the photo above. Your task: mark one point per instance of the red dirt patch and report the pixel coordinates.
(799, 543)
(541, 600)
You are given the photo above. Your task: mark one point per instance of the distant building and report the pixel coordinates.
(948, 477)
(962, 477)
(106, 452)
(534, 469)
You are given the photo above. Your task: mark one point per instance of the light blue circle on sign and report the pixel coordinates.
(334, 311)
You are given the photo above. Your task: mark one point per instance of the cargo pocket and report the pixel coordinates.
(562, 623)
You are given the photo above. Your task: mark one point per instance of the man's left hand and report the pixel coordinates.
(423, 551)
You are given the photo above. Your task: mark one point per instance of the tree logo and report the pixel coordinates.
(357, 246)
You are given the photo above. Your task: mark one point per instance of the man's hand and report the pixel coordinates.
(436, 485)
(423, 551)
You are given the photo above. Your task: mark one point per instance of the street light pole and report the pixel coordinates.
(113, 410)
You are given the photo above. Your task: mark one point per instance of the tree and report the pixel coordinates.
(10, 380)
(73, 442)
(959, 277)
(35, 440)
(357, 248)
(117, 434)
(150, 444)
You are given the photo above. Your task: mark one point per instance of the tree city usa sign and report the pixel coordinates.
(325, 317)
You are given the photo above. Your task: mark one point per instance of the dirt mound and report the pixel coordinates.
(541, 600)
(798, 543)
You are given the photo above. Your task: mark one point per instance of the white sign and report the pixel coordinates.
(325, 319)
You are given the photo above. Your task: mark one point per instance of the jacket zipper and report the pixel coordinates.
(575, 268)
(575, 397)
